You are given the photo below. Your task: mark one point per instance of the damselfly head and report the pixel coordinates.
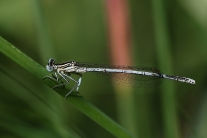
(50, 64)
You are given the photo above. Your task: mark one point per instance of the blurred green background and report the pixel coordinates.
(77, 30)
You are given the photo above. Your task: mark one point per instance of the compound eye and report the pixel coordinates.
(51, 61)
(49, 68)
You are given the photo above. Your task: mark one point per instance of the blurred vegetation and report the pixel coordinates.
(77, 30)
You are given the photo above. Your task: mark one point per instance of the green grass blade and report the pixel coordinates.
(164, 55)
(79, 102)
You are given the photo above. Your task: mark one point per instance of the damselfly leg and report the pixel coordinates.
(65, 76)
(55, 79)
(76, 86)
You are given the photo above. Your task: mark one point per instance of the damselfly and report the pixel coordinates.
(136, 76)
